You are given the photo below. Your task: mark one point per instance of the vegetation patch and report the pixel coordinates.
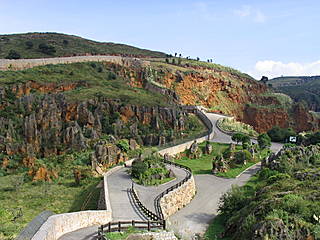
(21, 199)
(150, 171)
(44, 45)
(233, 126)
(282, 201)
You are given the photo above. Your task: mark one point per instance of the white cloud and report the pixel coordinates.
(244, 11)
(273, 69)
(247, 11)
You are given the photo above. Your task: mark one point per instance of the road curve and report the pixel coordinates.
(192, 219)
(225, 138)
(196, 216)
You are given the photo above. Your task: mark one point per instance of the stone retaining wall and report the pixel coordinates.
(178, 198)
(20, 64)
(60, 224)
(184, 146)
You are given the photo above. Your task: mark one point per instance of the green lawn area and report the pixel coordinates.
(34, 197)
(234, 172)
(203, 165)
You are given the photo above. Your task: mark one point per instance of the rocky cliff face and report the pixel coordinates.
(231, 93)
(48, 124)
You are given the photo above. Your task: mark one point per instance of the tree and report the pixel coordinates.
(167, 60)
(278, 134)
(245, 139)
(65, 42)
(237, 137)
(13, 55)
(47, 49)
(264, 141)
(198, 59)
(264, 79)
(175, 54)
(29, 44)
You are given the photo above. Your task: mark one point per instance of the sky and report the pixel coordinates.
(260, 37)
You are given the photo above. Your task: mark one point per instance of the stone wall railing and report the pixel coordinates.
(178, 198)
(184, 146)
(20, 64)
(60, 224)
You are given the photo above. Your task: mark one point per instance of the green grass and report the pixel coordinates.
(203, 165)
(234, 172)
(194, 63)
(122, 235)
(59, 196)
(74, 45)
(215, 229)
(93, 80)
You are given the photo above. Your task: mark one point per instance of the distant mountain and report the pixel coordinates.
(301, 88)
(43, 45)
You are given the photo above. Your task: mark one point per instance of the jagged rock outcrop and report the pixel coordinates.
(49, 124)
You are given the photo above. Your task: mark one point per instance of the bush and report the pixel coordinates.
(278, 134)
(138, 169)
(232, 201)
(123, 144)
(47, 49)
(13, 55)
(278, 177)
(264, 141)
(29, 44)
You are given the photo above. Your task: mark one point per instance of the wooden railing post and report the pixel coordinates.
(109, 227)
(133, 223)
(164, 224)
(101, 229)
(148, 225)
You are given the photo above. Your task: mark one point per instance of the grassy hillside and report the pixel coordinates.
(27, 46)
(91, 79)
(281, 202)
(300, 89)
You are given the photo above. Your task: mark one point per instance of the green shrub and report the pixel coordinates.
(47, 49)
(13, 55)
(138, 169)
(264, 141)
(232, 201)
(123, 144)
(278, 177)
(278, 134)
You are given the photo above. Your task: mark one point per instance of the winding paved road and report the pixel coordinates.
(196, 216)
(192, 219)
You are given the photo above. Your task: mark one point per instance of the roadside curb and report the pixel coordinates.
(247, 170)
